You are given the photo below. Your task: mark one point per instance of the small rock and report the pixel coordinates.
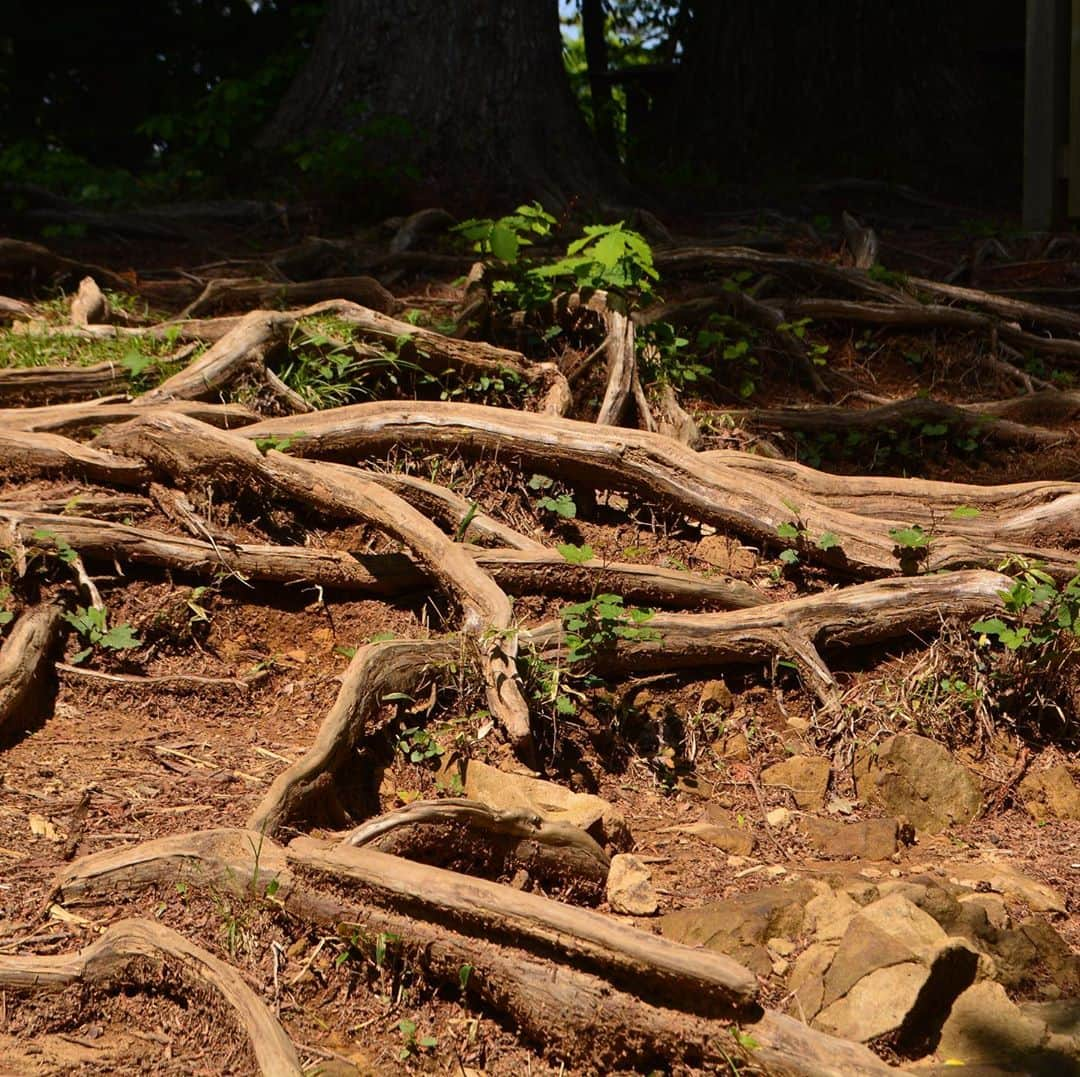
(732, 839)
(629, 887)
(549, 800)
(734, 748)
(798, 725)
(807, 776)
(1051, 794)
(828, 915)
(904, 921)
(1003, 878)
(740, 926)
(781, 947)
(996, 913)
(778, 818)
(876, 1004)
(917, 778)
(715, 696)
(869, 839)
(780, 967)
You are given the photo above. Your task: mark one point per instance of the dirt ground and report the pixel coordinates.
(114, 764)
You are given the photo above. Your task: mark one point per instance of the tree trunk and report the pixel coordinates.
(480, 84)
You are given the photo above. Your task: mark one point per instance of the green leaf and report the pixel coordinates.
(463, 975)
(912, 538)
(575, 555)
(788, 531)
(504, 243)
(964, 512)
(120, 638)
(789, 557)
(382, 637)
(827, 541)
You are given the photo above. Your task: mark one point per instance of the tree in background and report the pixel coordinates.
(480, 85)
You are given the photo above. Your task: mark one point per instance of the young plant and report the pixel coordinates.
(596, 625)
(550, 501)
(92, 624)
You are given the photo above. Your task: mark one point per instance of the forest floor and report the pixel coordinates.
(764, 730)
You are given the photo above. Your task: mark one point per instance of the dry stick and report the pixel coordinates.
(308, 789)
(516, 571)
(25, 666)
(659, 468)
(568, 1012)
(127, 941)
(72, 419)
(851, 616)
(172, 680)
(900, 413)
(183, 448)
(24, 453)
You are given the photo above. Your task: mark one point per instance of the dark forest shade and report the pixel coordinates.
(480, 83)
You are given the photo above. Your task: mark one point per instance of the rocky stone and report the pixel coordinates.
(732, 839)
(807, 981)
(629, 887)
(1006, 879)
(828, 915)
(984, 1026)
(917, 778)
(1051, 794)
(1061, 1017)
(997, 915)
(735, 748)
(553, 802)
(807, 776)
(869, 839)
(798, 725)
(876, 1005)
(715, 696)
(904, 921)
(740, 926)
(1055, 956)
(779, 818)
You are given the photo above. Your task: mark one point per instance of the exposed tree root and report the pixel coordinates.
(582, 1016)
(852, 616)
(622, 364)
(900, 415)
(127, 940)
(244, 294)
(659, 468)
(26, 454)
(244, 347)
(438, 831)
(73, 419)
(315, 788)
(182, 449)
(26, 668)
(54, 385)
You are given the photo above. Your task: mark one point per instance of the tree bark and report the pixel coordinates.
(480, 84)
